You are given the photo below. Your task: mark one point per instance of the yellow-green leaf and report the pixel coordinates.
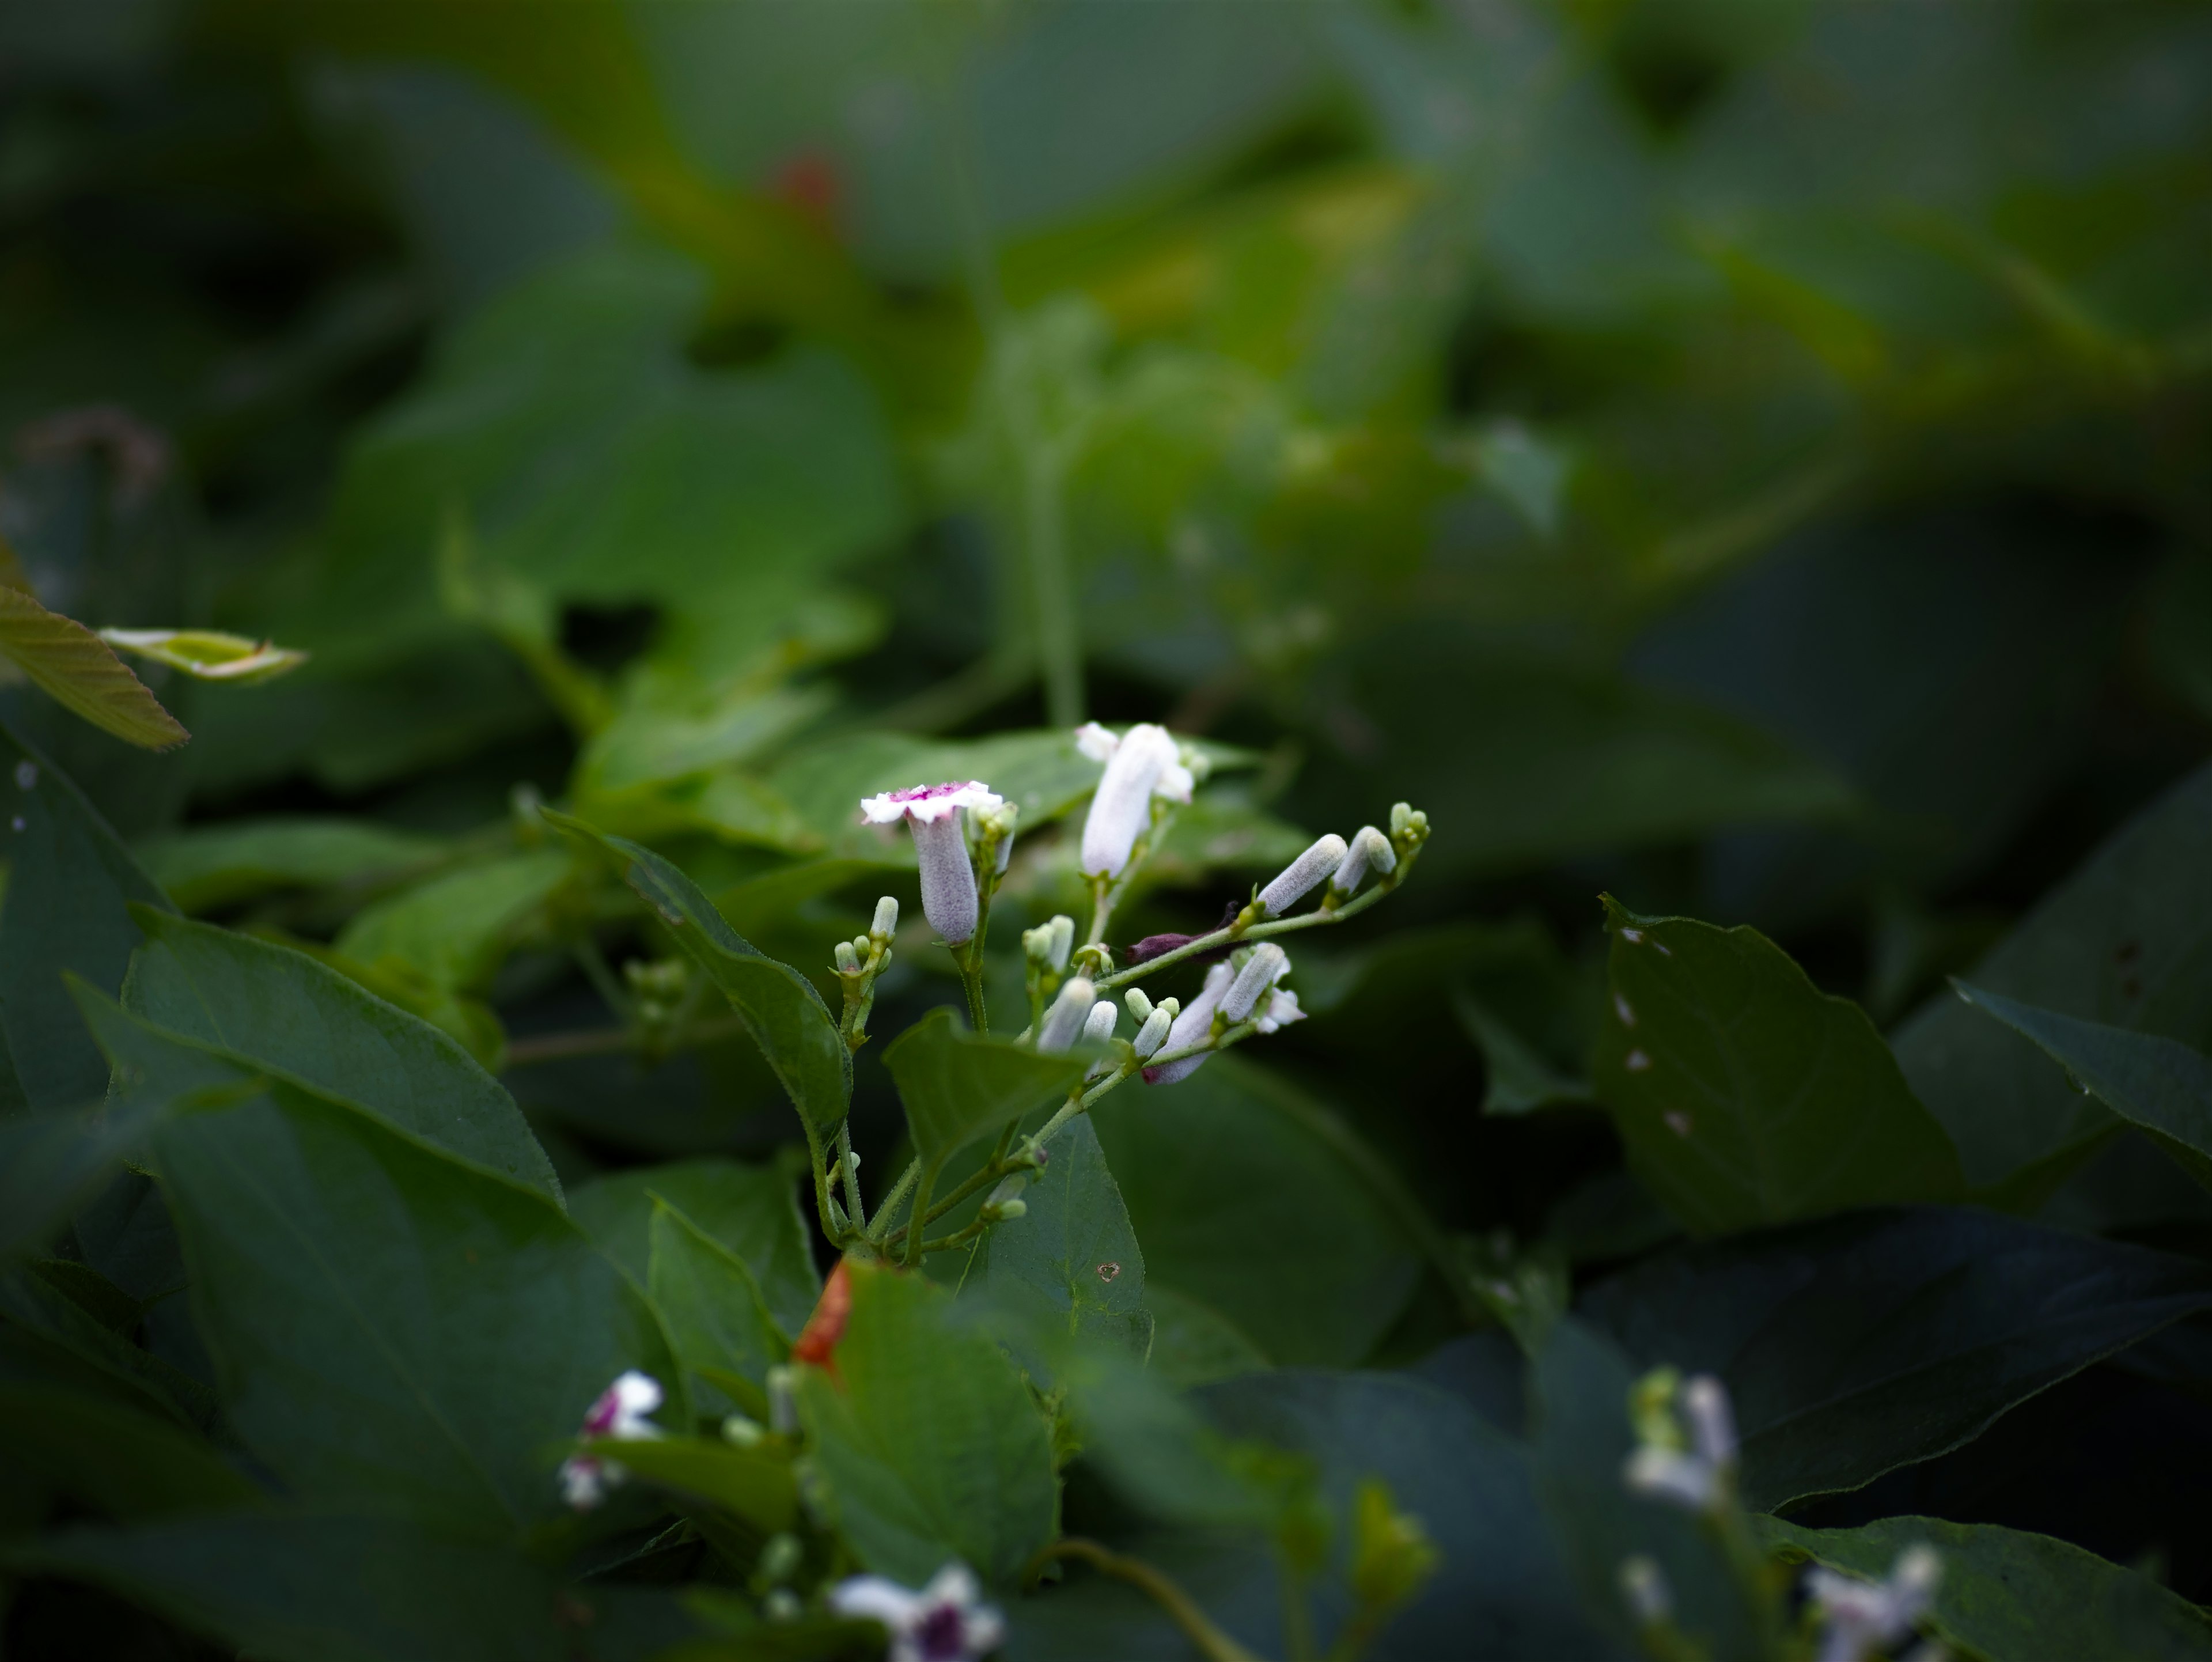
(81, 672)
(207, 655)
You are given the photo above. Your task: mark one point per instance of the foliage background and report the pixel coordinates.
(1745, 456)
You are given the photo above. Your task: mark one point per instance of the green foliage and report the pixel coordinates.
(82, 672)
(1072, 1259)
(956, 1085)
(713, 1311)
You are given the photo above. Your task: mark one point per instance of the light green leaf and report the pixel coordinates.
(926, 1439)
(757, 1484)
(2157, 1084)
(1745, 1094)
(117, 1461)
(1238, 1186)
(444, 1332)
(208, 655)
(204, 867)
(781, 1007)
(1858, 1344)
(66, 908)
(1072, 1260)
(455, 927)
(752, 1211)
(2010, 1595)
(2125, 942)
(713, 1308)
(80, 672)
(958, 1086)
(278, 1012)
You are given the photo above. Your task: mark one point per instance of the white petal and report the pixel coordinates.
(1174, 783)
(877, 1598)
(1095, 742)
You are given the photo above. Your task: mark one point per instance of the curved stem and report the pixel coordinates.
(1197, 1627)
(1231, 934)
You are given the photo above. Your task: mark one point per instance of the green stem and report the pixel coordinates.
(920, 1211)
(815, 1162)
(971, 982)
(1211, 1643)
(889, 1205)
(852, 1177)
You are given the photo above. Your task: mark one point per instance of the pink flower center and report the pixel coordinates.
(931, 792)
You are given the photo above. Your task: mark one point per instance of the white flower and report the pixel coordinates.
(1063, 1023)
(1140, 764)
(618, 1412)
(1192, 1027)
(940, 848)
(1862, 1617)
(1694, 1477)
(1281, 1011)
(1267, 964)
(946, 1621)
(1369, 849)
(1292, 884)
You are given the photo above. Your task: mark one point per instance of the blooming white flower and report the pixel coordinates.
(1140, 764)
(618, 1412)
(1370, 849)
(1063, 1023)
(1295, 880)
(1267, 964)
(946, 1621)
(1861, 1618)
(1191, 1026)
(940, 848)
(1282, 1009)
(1661, 1466)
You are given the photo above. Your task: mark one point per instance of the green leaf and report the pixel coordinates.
(113, 1460)
(713, 1308)
(751, 1211)
(279, 1013)
(456, 928)
(958, 1086)
(51, 1164)
(82, 672)
(2125, 942)
(1581, 1440)
(781, 1007)
(1517, 1078)
(2010, 1595)
(1072, 1259)
(756, 1484)
(1745, 1094)
(56, 1340)
(443, 1332)
(206, 654)
(1237, 1184)
(204, 867)
(1194, 1343)
(927, 1440)
(2157, 1084)
(70, 883)
(1858, 1344)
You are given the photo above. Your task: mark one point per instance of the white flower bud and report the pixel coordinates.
(1007, 1189)
(1063, 941)
(1141, 764)
(1064, 1021)
(1140, 1007)
(998, 823)
(782, 1408)
(1292, 884)
(1154, 1032)
(1098, 1025)
(1370, 849)
(1172, 1005)
(849, 961)
(745, 1431)
(886, 924)
(1401, 815)
(1192, 1027)
(1007, 1211)
(1267, 964)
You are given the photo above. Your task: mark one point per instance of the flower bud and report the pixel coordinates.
(1267, 964)
(1063, 940)
(1154, 1032)
(743, 1432)
(1712, 1423)
(1098, 1025)
(1369, 849)
(996, 827)
(1292, 884)
(780, 1557)
(1140, 1007)
(1139, 764)
(1193, 1026)
(849, 961)
(886, 924)
(1643, 1584)
(1064, 1021)
(1008, 1188)
(782, 1408)
(1401, 815)
(1006, 1211)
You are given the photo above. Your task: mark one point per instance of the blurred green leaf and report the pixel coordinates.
(1745, 1094)
(956, 1085)
(65, 908)
(454, 928)
(278, 1014)
(207, 654)
(928, 1441)
(755, 1483)
(1194, 1343)
(52, 1163)
(1072, 1260)
(47, 1336)
(2123, 942)
(713, 1308)
(751, 1211)
(114, 1462)
(206, 867)
(2011, 1595)
(81, 671)
(781, 1007)
(1858, 1344)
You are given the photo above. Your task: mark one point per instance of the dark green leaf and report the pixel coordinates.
(1858, 1344)
(755, 1483)
(70, 882)
(1237, 1185)
(1072, 1260)
(1194, 1343)
(279, 1013)
(204, 867)
(444, 1332)
(1747, 1096)
(90, 1292)
(116, 1461)
(61, 1343)
(51, 1164)
(2010, 1595)
(958, 1086)
(784, 1013)
(2125, 942)
(454, 929)
(713, 1308)
(2158, 1084)
(926, 1439)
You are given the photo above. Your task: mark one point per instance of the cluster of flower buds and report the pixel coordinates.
(1343, 866)
(858, 963)
(1860, 1620)
(1045, 952)
(618, 1414)
(947, 1622)
(1242, 990)
(939, 816)
(1686, 1440)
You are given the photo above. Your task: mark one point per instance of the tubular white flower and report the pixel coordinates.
(1191, 1026)
(1064, 1021)
(1713, 1423)
(1267, 964)
(940, 848)
(946, 1621)
(1370, 849)
(1295, 880)
(1281, 1011)
(1140, 764)
(1153, 1033)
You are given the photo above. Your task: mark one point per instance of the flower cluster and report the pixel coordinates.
(947, 1622)
(618, 1414)
(1686, 1440)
